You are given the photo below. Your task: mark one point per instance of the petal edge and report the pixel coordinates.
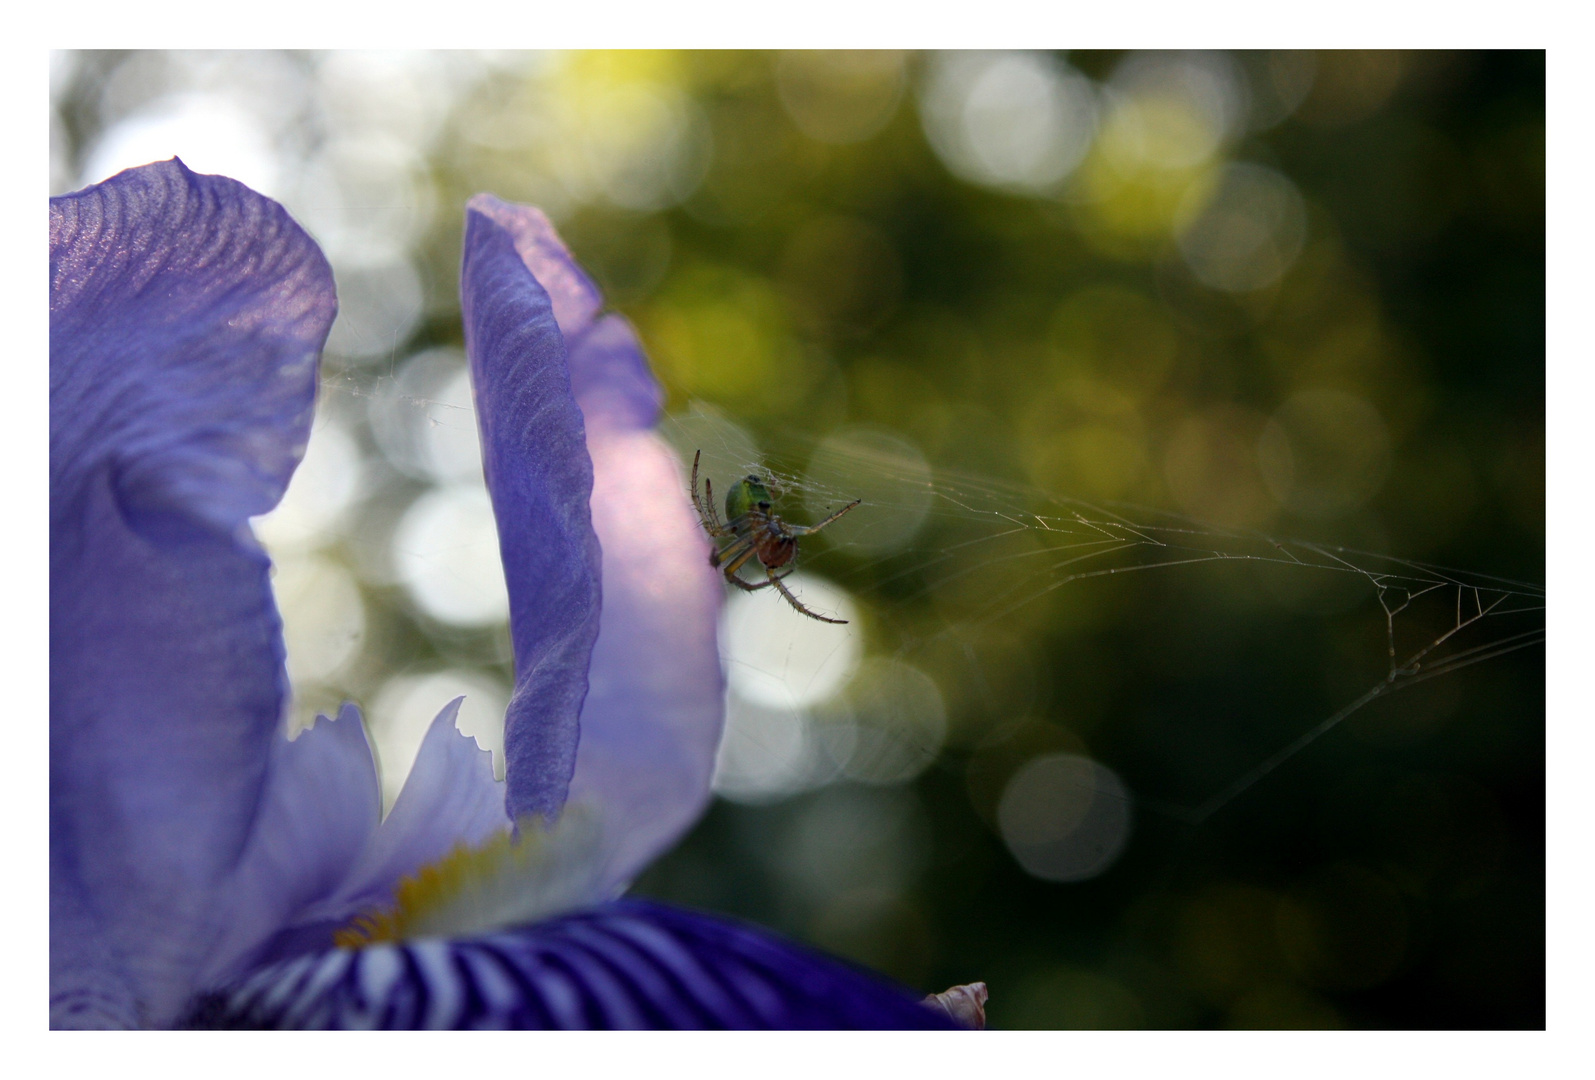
(538, 471)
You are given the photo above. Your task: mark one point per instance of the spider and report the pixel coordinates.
(758, 533)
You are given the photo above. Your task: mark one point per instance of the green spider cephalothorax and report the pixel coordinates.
(746, 494)
(756, 532)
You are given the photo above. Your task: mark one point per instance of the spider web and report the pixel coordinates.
(940, 557)
(1026, 546)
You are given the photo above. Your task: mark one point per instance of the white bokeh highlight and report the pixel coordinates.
(445, 552)
(1016, 121)
(366, 198)
(324, 619)
(210, 133)
(768, 753)
(780, 658)
(379, 306)
(451, 448)
(426, 426)
(640, 145)
(324, 487)
(1064, 817)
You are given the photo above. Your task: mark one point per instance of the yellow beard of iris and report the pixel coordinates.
(505, 881)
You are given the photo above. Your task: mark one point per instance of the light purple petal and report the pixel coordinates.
(655, 701)
(534, 456)
(320, 811)
(656, 697)
(449, 798)
(611, 380)
(623, 965)
(186, 317)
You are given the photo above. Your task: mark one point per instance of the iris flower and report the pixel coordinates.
(205, 870)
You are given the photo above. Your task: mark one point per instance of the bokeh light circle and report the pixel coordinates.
(426, 427)
(445, 550)
(366, 198)
(1248, 233)
(323, 487)
(768, 753)
(1176, 109)
(776, 656)
(1064, 817)
(641, 145)
(450, 445)
(210, 134)
(378, 308)
(1008, 120)
(323, 616)
(400, 93)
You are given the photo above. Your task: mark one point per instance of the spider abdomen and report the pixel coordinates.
(774, 548)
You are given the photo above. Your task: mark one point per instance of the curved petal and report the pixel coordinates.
(449, 798)
(655, 701)
(625, 965)
(535, 459)
(575, 299)
(186, 317)
(321, 807)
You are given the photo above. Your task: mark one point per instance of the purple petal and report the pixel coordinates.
(186, 316)
(655, 703)
(611, 380)
(654, 708)
(87, 990)
(535, 459)
(625, 965)
(574, 296)
(449, 798)
(320, 811)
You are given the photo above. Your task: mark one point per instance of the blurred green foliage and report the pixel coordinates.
(1364, 367)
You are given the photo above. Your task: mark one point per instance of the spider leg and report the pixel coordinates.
(745, 587)
(794, 600)
(738, 561)
(736, 552)
(705, 507)
(804, 530)
(708, 503)
(730, 566)
(696, 505)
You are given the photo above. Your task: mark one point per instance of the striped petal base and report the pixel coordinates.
(629, 964)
